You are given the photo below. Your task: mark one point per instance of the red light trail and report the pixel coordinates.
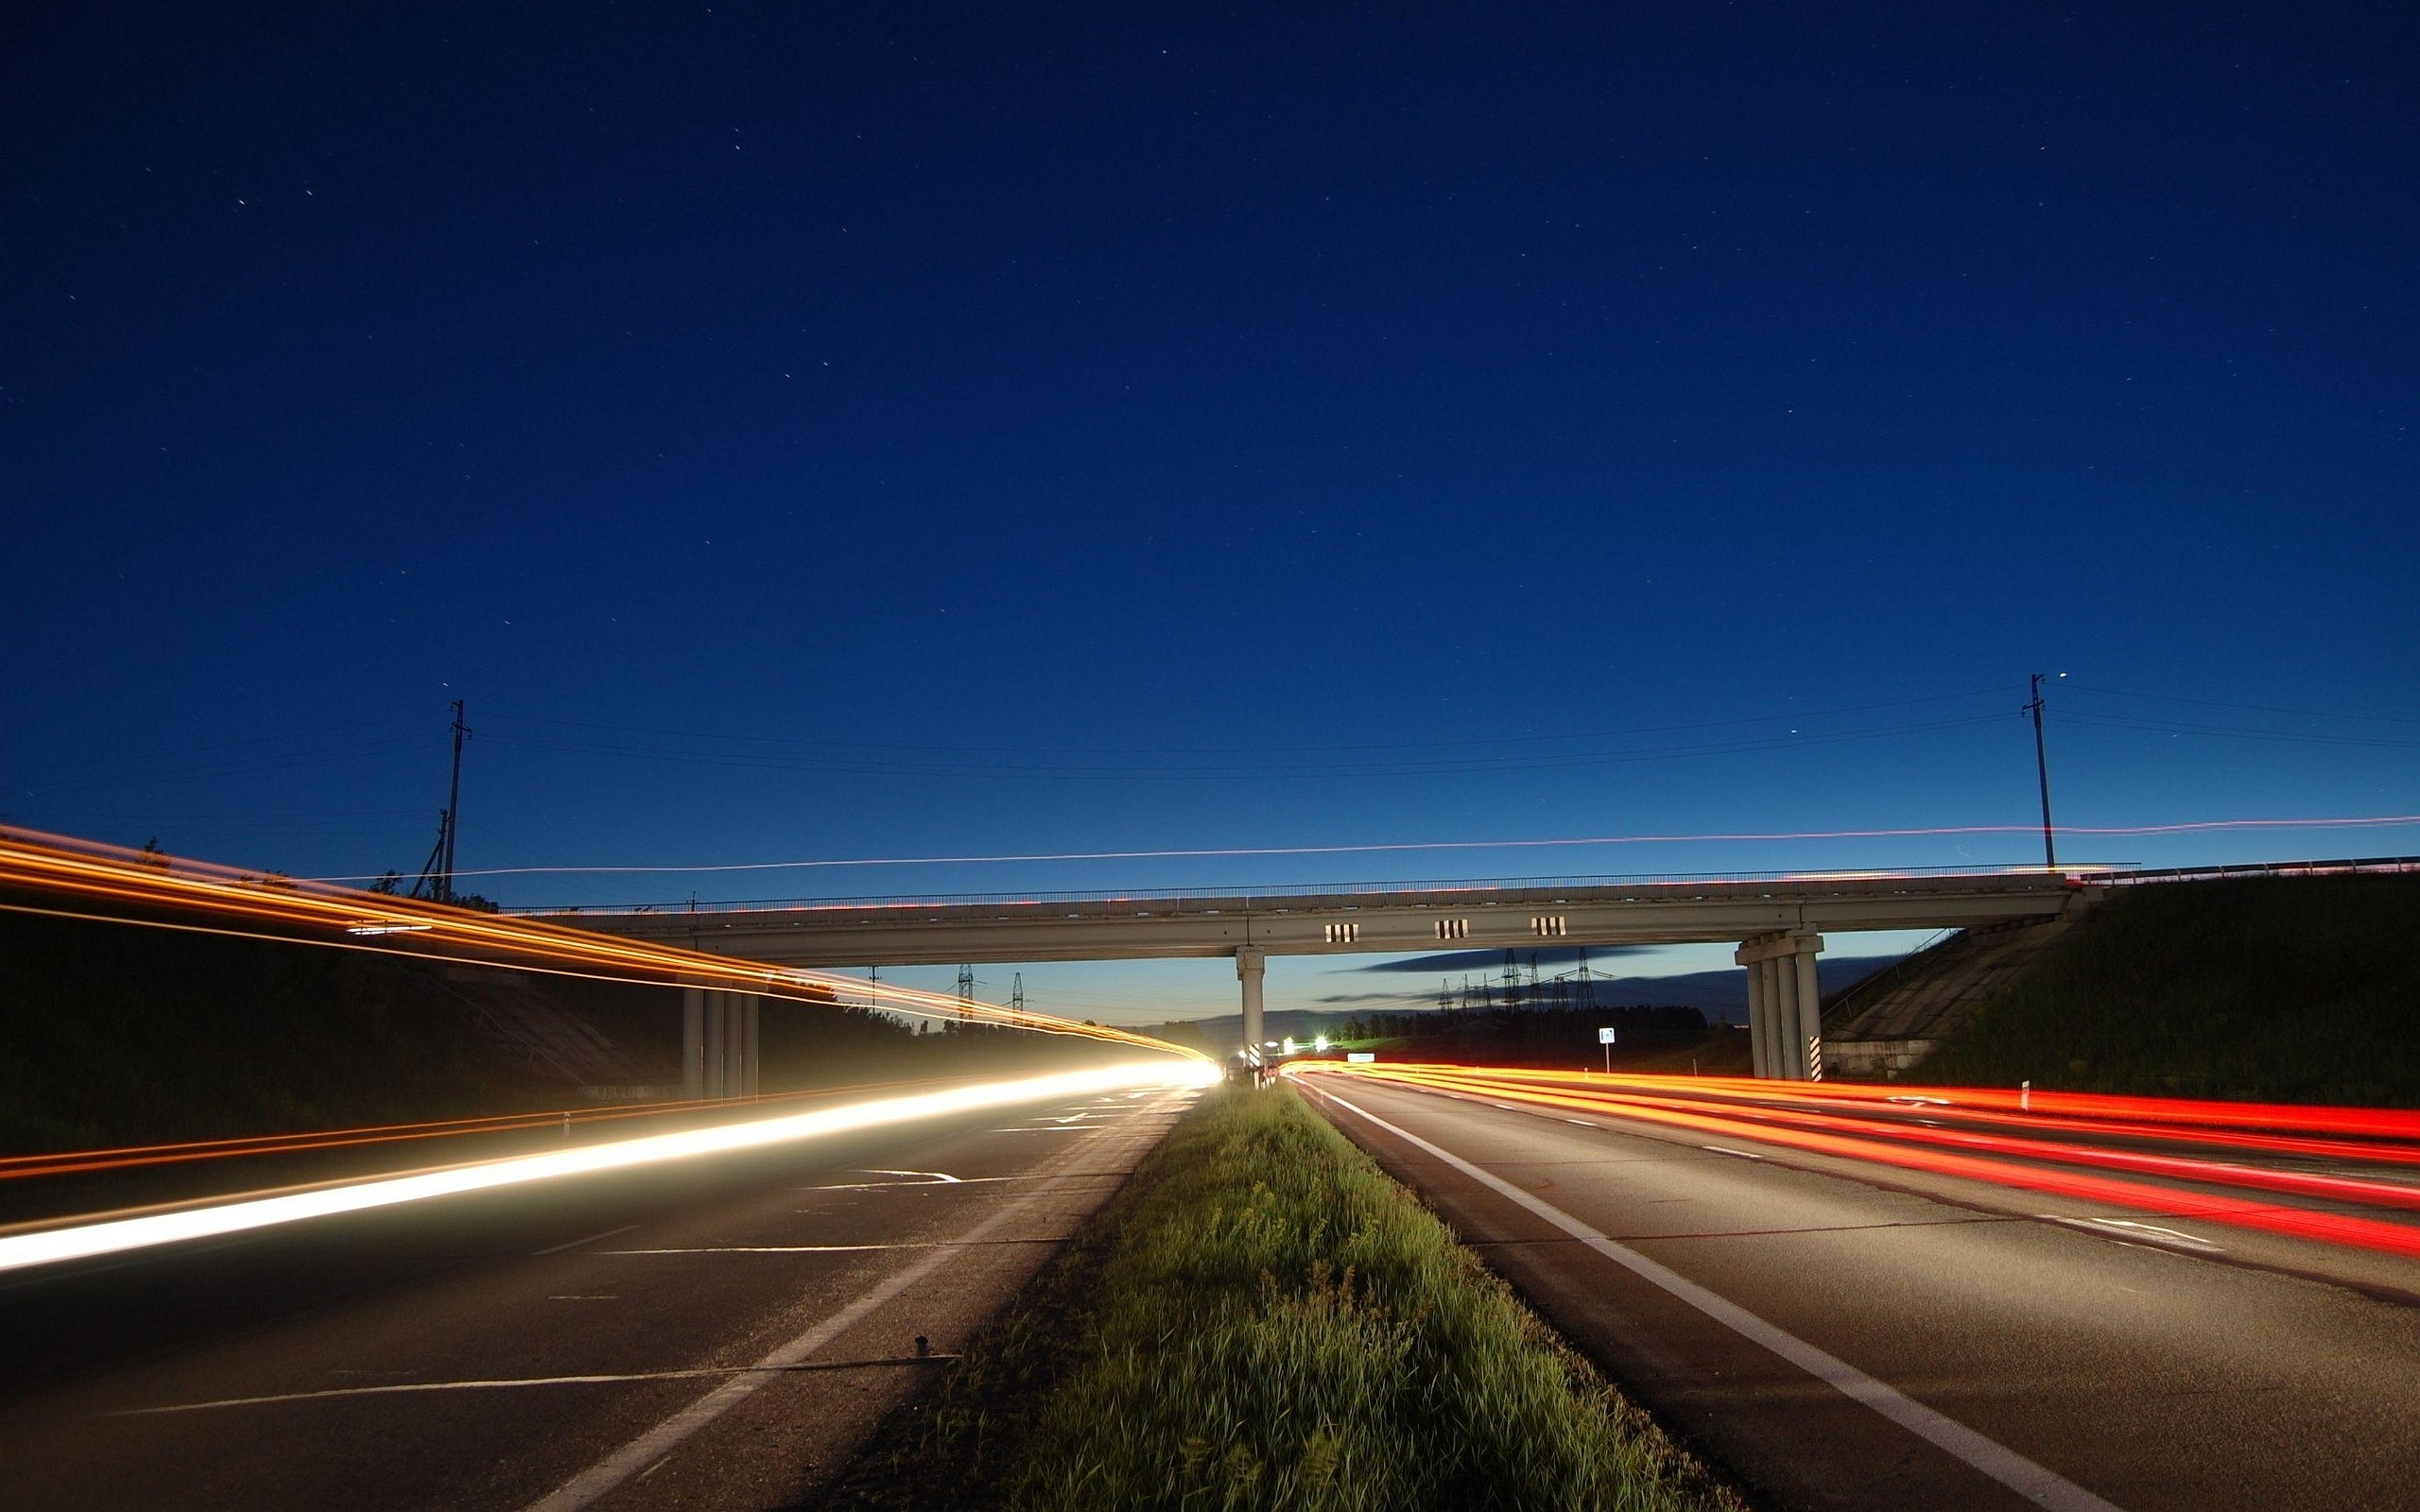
(1873, 1123)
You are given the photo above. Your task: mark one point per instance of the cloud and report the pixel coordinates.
(1490, 962)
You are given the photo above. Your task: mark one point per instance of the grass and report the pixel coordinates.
(2289, 990)
(1264, 1319)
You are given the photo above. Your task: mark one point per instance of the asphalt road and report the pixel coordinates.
(2091, 1354)
(712, 1333)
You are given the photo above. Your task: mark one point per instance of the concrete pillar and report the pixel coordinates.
(718, 1037)
(752, 1083)
(693, 1042)
(1250, 965)
(1755, 1012)
(1777, 1014)
(1810, 1008)
(1789, 1062)
(1786, 1005)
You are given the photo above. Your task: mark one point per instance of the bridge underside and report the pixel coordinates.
(1778, 924)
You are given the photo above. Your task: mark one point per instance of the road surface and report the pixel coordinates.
(716, 1332)
(2089, 1354)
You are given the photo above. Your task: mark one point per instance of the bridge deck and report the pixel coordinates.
(1448, 917)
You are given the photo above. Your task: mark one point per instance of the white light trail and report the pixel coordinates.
(48, 1247)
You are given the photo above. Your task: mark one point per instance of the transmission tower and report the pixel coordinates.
(1016, 994)
(966, 994)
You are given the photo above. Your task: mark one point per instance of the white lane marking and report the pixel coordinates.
(556, 1250)
(592, 1484)
(2140, 1232)
(822, 1249)
(942, 1176)
(1055, 1128)
(585, 1296)
(1583, 1122)
(2036, 1483)
(405, 1387)
(1724, 1149)
(884, 1185)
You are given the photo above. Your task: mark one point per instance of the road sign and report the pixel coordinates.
(1605, 1036)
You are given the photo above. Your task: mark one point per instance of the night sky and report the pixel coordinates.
(812, 432)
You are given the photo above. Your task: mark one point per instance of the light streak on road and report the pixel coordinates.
(81, 1240)
(118, 877)
(80, 1162)
(1736, 1108)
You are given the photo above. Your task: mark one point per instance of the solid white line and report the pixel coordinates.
(2042, 1486)
(556, 1250)
(632, 1458)
(943, 1178)
(885, 1186)
(820, 1249)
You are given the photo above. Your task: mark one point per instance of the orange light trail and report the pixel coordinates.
(1698, 1105)
(80, 1162)
(112, 875)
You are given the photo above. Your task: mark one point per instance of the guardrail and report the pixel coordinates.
(2349, 866)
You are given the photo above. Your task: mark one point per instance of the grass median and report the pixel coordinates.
(1264, 1319)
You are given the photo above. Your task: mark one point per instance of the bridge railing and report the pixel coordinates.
(1278, 893)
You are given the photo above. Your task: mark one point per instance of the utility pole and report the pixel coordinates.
(437, 876)
(2042, 769)
(452, 806)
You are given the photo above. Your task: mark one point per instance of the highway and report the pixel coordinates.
(2242, 1329)
(712, 1332)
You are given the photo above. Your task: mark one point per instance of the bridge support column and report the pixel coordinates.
(693, 1042)
(751, 1078)
(718, 1058)
(1784, 1005)
(1758, 1030)
(1810, 1008)
(1252, 965)
(1787, 1062)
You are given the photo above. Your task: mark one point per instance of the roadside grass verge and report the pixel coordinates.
(1264, 1319)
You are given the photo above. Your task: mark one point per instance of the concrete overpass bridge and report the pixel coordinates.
(1778, 923)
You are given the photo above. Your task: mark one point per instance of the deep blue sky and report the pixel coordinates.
(949, 430)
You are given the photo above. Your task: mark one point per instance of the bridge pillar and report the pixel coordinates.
(752, 1068)
(718, 1058)
(1810, 1008)
(1784, 1005)
(1787, 1061)
(1252, 964)
(693, 1042)
(1757, 1009)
